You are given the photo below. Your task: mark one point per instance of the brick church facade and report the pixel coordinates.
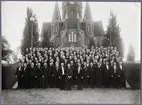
(73, 29)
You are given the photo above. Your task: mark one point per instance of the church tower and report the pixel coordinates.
(88, 20)
(56, 19)
(72, 12)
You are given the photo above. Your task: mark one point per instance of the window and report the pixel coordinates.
(74, 37)
(56, 28)
(69, 37)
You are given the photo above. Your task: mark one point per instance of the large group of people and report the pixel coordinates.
(64, 68)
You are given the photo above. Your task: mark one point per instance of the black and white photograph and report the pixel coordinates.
(71, 52)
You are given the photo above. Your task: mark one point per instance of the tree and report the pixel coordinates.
(26, 41)
(113, 34)
(131, 54)
(45, 42)
(6, 51)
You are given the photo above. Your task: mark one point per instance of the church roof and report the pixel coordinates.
(98, 28)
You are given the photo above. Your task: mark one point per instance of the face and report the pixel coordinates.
(32, 65)
(45, 64)
(68, 65)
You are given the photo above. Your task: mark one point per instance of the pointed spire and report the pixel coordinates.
(87, 13)
(56, 13)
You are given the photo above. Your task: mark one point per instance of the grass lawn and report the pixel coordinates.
(56, 96)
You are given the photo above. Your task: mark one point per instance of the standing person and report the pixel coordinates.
(69, 76)
(86, 75)
(72, 69)
(19, 76)
(79, 75)
(92, 75)
(25, 76)
(95, 73)
(99, 75)
(58, 75)
(122, 74)
(107, 75)
(33, 76)
(45, 73)
(115, 75)
(39, 76)
(52, 69)
(63, 76)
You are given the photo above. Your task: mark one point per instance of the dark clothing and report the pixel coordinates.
(99, 77)
(106, 75)
(19, 73)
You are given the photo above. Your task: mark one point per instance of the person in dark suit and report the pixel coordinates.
(19, 75)
(52, 69)
(72, 69)
(58, 75)
(45, 75)
(107, 74)
(122, 74)
(85, 75)
(95, 72)
(92, 75)
(63, 76)
(69, 76)
(115, 75)
(79, 76)
(99, 75)
(33, 76)
(39, 76)
(25, 76)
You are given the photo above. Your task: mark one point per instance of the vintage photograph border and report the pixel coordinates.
(72, 0)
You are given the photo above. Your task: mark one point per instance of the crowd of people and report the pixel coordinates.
(67, 67)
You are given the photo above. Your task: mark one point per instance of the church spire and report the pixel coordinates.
(56, 13)
(87, 13)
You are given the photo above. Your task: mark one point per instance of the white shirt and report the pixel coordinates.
(78, 70)
(63, 73)
(107, 67)
(114, 69)
(121, 67)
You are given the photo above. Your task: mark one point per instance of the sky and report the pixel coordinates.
(128, 17)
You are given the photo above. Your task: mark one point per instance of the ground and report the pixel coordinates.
(56, 96)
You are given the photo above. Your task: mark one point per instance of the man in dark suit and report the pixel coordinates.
(107, 75)
(85, 75)
(53, 75)
(58, 75)
(99, 75)
(122, 74)
(115, 74)
(79, 76)
(69, 77)
(19, 75)
(39, 75)
(45, 75)
(92, 75)
(63, 76)
(33, 76)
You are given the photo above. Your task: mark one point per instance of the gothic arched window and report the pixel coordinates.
(69, 37)
(74, 37)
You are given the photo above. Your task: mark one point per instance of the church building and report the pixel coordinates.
(73, 29)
